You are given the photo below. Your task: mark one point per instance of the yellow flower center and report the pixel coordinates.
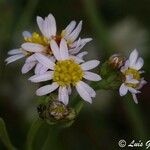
(67, 72)
(36, 38)
(135, 74)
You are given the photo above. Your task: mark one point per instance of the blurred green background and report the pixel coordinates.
(115, 26)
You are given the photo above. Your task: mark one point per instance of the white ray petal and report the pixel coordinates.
(133, 58)
(31, 58)
(135, 98)
(53, 26)
(90, 64)
(123, 90)
(83, 93)
(86, 40)
(55, 49)
(14, 51)
(63, 50)
(26, 34)
(40, 69)
(47, 89)
(40, 78)
(14, 58)
(63, 95)
(73, 36)
(139, 64)
(91, 76)
(91, 92)
(49, 26)
(32, 47)
(69, 90)
(125, 67)
(82, 54)
(69, 28)
(45, 61)
(27, 67)
(40, 23)
(142, 83)
(133, 91)
(76, 59)
(133, 81)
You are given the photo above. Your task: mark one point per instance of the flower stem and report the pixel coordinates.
(32, 133)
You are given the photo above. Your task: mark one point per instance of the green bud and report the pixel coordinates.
(55, 111)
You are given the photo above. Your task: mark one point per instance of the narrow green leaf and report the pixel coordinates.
(4, 136)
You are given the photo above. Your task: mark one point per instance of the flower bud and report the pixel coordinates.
(54, 111)
(58, 110)
(116, 61)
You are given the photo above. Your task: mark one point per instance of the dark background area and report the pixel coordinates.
(115, 26)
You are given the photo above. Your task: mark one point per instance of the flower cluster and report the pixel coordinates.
(56, 58)
(132, 80)
(58, 62)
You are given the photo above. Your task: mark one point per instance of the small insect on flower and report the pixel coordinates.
(40, 43)
(66, 72)
(132, 80)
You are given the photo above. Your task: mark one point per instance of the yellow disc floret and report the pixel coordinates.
(135, 74)
(36, 38)
(67, 72)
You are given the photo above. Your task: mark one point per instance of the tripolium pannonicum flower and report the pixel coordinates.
(59, 65)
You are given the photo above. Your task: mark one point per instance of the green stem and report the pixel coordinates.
(4, 136)
(32, 133)
(52, 139)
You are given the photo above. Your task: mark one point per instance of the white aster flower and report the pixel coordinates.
(132, 75)
(65, 73)
(36, 43)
